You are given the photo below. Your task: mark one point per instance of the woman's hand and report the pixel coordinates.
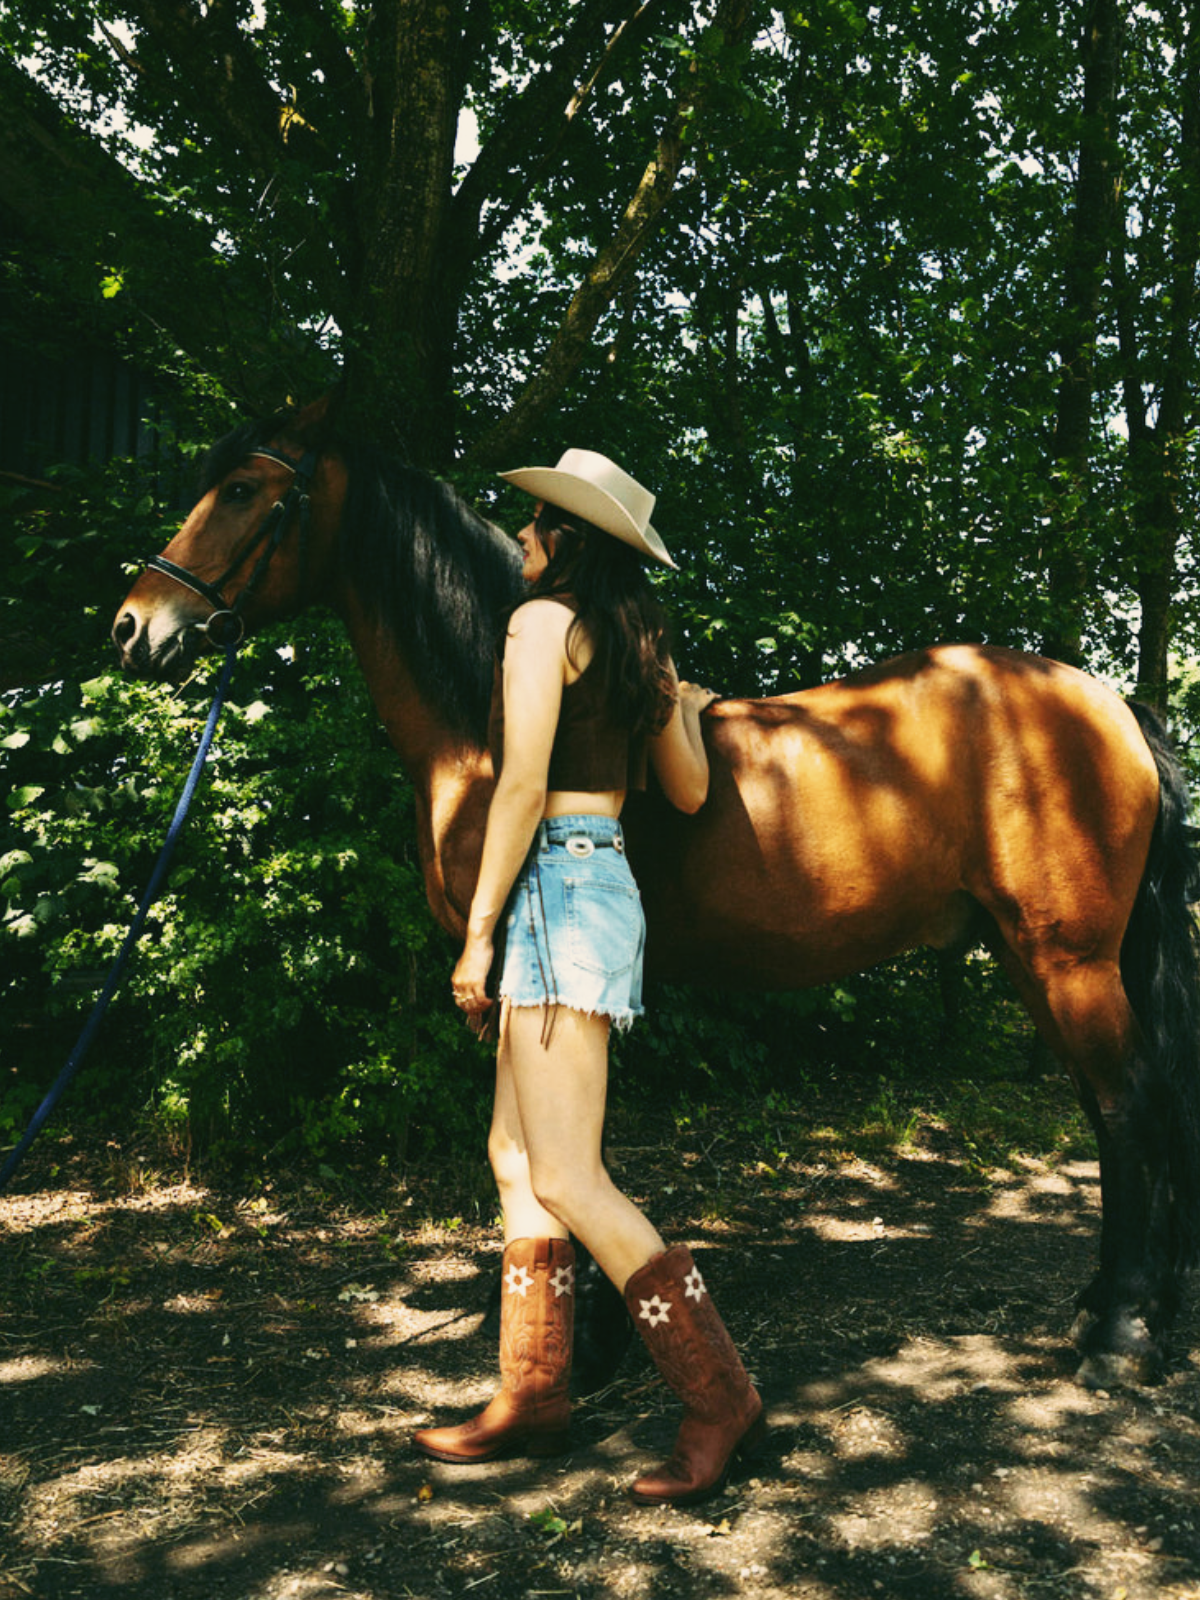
(469, 983)
(694, 699)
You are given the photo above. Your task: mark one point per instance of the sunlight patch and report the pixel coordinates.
(158, 1494)
(865, 1434)
(934, 1369)
(1054, 1410)
(204, 1303)
(26, 1368)
(872, 1525)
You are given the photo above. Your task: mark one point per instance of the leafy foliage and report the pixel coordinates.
(290, 977)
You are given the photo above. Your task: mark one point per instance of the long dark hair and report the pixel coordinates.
(617, 608)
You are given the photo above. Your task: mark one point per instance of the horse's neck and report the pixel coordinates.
(452, 778)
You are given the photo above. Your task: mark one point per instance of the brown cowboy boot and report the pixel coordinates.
(723, 1415)
(531, 1414)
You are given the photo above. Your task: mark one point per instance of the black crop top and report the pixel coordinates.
(591, 753)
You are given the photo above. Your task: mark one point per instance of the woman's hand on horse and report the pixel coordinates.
(694, 697)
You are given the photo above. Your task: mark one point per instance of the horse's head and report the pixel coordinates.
(255, 548)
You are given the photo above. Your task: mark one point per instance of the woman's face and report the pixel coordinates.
(536, 555)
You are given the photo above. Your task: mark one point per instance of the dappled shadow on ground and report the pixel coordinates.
(209, 1393)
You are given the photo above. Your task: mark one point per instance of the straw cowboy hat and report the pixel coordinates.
(591, 486)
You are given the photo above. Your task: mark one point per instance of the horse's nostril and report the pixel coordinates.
(124, 629)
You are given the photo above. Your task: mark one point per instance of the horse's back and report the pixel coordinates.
(875, 813)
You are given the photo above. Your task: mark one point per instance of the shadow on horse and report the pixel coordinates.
(954, 796)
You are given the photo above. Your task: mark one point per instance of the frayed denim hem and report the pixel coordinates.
(622, 1019)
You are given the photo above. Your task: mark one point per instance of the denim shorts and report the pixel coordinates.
(574, 931)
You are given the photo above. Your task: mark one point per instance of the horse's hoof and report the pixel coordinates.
(1081, 1329)
(1114, 1371)
(1118, 1353)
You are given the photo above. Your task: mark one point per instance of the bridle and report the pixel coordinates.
(226, 626)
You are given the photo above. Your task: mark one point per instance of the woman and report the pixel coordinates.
(587, 691)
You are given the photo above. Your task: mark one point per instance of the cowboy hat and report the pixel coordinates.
(591, 486)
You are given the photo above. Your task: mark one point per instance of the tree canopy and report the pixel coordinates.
(893, 306)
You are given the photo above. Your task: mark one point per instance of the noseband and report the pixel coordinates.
(227, 626)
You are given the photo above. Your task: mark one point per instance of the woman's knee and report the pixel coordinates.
(508, 1161)
(564, 1191)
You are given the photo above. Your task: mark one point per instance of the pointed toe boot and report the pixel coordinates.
(531, 1414)
(723, 1415)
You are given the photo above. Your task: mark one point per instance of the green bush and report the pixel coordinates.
(290, 979)
(291, 983)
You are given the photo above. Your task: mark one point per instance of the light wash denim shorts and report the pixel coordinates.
(574, 930)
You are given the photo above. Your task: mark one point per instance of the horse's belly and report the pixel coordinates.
(794, 918)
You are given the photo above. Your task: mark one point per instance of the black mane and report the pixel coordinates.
(430, 569)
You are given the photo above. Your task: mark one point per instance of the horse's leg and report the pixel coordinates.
(1083, 1012)
(1128, 1307)
(1095, 1300)
(603, 1330)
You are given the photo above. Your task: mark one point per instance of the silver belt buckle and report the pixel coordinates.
(581, 847)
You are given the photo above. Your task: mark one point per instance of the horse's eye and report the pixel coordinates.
(239, 492)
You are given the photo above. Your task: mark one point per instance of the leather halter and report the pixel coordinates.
(226, 626)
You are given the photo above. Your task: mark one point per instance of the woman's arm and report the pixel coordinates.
(534, 665)
(677, 753)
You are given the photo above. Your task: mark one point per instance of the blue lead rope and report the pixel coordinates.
(131, 938)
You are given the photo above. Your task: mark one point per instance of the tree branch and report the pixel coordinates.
(209, 66)
(79, 209)
(610, 268)
(531, 132)
(341, 73)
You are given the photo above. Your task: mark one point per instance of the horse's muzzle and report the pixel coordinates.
(171, 659)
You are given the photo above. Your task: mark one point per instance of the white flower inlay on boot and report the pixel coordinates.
(518, 1280)
(563, 1280)
(656, 1311)
(693, 1285)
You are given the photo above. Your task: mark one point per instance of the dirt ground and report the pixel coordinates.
(207, 1389)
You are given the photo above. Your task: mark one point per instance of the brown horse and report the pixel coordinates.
(956, 796)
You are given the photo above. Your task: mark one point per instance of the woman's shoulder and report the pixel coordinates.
(545, 618)
(567, 603)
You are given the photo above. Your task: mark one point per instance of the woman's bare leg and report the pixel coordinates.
(550, 1103)
(524, 1215)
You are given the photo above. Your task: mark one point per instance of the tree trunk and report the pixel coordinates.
(1155, 450)
(400, 360)
(1092, 231)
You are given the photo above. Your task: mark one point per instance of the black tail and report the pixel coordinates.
(1160, 966)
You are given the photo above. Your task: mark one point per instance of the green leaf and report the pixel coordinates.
(18, 799)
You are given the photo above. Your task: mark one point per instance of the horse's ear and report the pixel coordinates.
(314, 425)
